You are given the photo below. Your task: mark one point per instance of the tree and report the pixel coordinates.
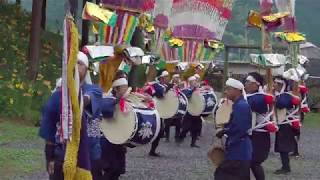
(34, 42)
(18, 2)
(44, 14)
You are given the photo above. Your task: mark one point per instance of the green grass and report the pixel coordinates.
(20, 150)
(13, 131)
(312, 120)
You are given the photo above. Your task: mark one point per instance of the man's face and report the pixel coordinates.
(198, 70)
(277, 86)
(165, 80)
(121, 90)
(82, 68)
(176, 79)
(251, 87)
(193, 83)
(231, 93)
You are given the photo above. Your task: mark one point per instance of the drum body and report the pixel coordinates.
(183, 105)
(173, 104)
(136, 126)
(202, 102)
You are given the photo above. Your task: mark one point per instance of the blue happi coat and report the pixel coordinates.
(260, 138)
(238, 144)
(49, 125)
(285, 140)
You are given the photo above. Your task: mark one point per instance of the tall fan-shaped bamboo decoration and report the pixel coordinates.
(200, 18)
(161, 15)
(196, 21)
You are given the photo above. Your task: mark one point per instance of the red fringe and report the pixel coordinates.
(122, 104)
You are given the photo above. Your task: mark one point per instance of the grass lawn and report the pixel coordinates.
(20, 150)
(312, 120)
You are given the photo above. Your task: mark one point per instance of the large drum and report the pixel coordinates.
(172, 105)
(202, 102)
(136, 126)
(223, 112)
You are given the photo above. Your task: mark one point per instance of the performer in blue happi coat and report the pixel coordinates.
(285, 137)
(191, 123)
(259, 103)
(114, 155)
(159, 89)
(238, 148)
(174, 121)
(50, 127)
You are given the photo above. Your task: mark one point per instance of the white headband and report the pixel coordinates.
(237, 85)
(176, 76)
(284, 84)
(164, 73)
(120, 82)
(197, 76)
(252, 79)
(200, 65)
(279, 81)
(192, 78)
(83, 58)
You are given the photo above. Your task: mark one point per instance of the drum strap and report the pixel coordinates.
(291, 117)
(304, 101)
(265, 121)
(265, 118)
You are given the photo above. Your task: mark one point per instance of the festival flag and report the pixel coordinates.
(76, 164)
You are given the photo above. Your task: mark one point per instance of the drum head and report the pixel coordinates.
(137, 101)
(168, 105)
(196, 104)
(223, 113)
(120, 128)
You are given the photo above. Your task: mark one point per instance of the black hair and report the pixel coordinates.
(283, 79)
(258, 77)
(120, 74)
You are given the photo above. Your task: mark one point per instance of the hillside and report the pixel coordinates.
(307, 12)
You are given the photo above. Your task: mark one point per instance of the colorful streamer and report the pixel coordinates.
(123, 31)
(191, 51)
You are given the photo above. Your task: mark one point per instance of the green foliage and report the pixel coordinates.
(20, 97)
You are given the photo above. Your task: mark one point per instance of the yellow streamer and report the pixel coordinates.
(71, 172)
